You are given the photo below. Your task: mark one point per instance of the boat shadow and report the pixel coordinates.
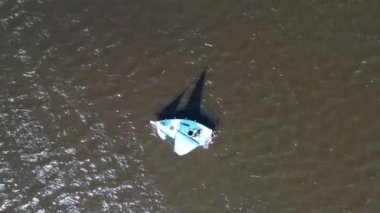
(192, 110)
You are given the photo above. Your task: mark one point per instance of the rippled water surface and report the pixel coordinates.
(294, 84)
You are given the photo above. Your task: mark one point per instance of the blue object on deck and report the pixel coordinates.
(186, 134)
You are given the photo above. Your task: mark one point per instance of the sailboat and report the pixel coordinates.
(183, 135)
(187, 128)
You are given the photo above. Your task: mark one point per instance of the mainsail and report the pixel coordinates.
(184, 144)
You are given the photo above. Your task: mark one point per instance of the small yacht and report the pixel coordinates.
(183, 135)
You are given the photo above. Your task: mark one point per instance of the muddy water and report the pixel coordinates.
(295, 86)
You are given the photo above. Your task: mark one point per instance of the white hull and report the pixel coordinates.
(187, 134)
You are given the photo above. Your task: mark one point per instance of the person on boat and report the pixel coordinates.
(197, 133)
(194, 133)
(213, 136)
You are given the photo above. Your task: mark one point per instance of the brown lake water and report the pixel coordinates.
(294, 84)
